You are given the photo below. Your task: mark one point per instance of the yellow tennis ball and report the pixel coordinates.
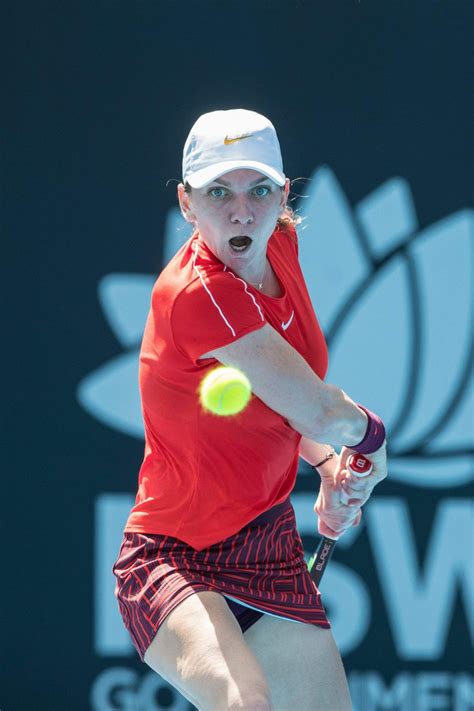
(225, 391)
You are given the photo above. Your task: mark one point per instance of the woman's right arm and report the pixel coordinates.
(284, 381)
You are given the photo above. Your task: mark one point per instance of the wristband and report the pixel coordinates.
(374, 436)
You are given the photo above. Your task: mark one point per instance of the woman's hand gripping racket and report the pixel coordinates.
(359, 466)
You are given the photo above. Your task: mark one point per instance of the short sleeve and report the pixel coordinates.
(212, 311)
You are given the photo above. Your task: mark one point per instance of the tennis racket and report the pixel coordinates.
(359, 466)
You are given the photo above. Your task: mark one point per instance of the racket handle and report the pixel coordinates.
(359, 466)
(320, 558)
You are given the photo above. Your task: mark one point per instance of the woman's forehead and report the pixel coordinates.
(242, 176)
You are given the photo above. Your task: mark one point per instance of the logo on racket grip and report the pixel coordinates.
(359, 465)
(324, 554)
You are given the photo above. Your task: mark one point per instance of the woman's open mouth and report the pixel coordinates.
(240, 244)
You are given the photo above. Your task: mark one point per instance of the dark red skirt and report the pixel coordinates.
(262, 567)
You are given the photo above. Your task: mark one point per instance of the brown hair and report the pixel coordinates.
(288, 219)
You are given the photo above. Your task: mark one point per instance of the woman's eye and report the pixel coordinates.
(261, 188)
(212, 192)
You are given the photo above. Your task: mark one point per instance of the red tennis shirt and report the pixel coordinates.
(204, 477)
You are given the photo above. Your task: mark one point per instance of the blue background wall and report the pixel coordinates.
(371, 104)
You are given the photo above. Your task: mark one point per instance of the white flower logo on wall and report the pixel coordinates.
(395, 305)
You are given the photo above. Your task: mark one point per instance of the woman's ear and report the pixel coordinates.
(184, 204)
(284, 195)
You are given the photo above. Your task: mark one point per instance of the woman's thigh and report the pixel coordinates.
(199, 649)
(301, 663)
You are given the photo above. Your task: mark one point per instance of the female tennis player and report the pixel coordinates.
(212, 583)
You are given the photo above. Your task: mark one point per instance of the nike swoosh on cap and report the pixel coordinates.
(285, 325)
(228, 140)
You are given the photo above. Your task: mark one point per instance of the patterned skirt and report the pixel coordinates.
(260, 570)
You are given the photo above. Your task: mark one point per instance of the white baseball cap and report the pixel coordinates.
(221, 141)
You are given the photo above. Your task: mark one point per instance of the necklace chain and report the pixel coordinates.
(260, 284)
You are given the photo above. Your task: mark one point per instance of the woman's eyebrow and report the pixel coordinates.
(255, 182)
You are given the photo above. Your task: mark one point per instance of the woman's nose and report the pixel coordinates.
(241, 211)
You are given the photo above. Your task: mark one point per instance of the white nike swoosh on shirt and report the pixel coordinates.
(285, 325)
